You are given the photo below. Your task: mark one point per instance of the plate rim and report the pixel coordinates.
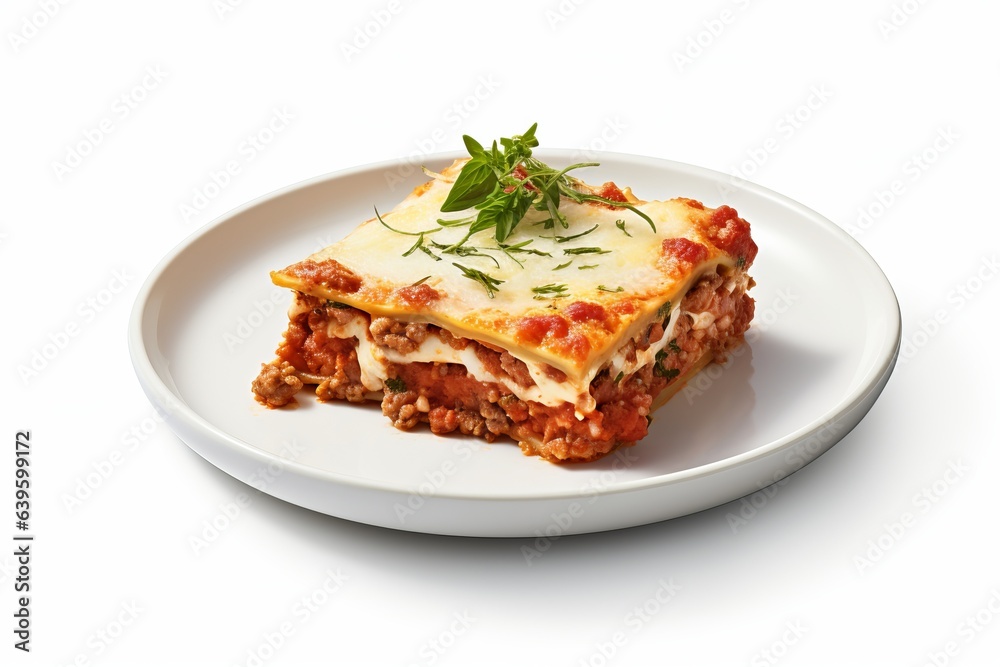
(173, 406)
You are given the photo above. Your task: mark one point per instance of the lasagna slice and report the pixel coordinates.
(563, 337)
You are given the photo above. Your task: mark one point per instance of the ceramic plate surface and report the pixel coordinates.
(820, 350)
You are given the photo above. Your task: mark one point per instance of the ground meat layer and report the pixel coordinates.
(447, 398)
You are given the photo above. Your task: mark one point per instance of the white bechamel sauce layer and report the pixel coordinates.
(374, 359)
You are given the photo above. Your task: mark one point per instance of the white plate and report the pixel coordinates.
(822, 346)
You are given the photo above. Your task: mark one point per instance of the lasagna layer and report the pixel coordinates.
(423, 373)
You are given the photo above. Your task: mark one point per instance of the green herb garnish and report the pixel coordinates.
(464, 251)
(564, 239)
(400, 231)
(491, 284)
(395, 385)
(503, 182)
(511, 249)
(429, 252)
(419, 245)
(620, 224)
(664, 311)
(602, 288)
(660, 371)
(550, 291)
(522, 247)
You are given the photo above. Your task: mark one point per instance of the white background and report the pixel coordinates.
(888, 107)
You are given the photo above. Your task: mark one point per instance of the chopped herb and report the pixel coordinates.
(457, 222)
(588, 266)
(419, 245)
(522, 247)
(400, 231)
(422, 280)
(602, 288)
(664, 311)
(463, 251)
(547, 223)
(563, 266)
(660, 371)
(674, 347)
(741, 262)
(550, 291)
(491, 284)
(336, 304)
(585, 251)
(395, 385)
(583, 196)
(429, 252)
(620, 224)
(618, 378)
(563, 239)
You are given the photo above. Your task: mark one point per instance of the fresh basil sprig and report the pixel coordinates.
(505, 181)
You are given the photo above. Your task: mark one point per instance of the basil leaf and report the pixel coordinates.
(474, 147)
(474, 184)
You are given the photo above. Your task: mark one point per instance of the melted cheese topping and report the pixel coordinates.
(626, 277)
